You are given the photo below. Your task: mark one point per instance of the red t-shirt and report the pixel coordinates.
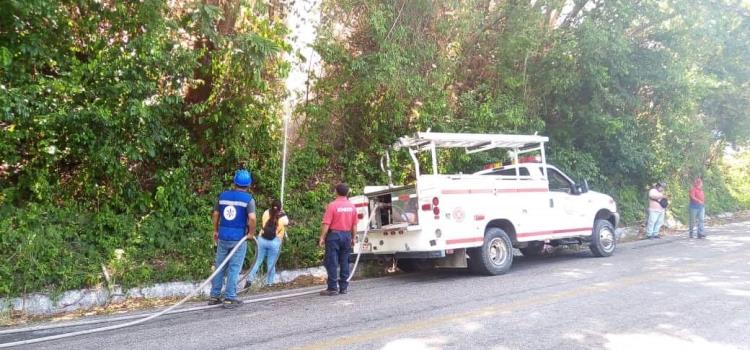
(696, 195)
(340, 215)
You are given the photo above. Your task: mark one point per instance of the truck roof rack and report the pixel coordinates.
(471, 142)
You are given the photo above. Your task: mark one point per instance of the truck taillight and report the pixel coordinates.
(435, 209)
(426, 207)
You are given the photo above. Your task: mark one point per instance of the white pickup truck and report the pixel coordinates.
(475, 220)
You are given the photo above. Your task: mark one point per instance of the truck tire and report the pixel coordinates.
(414, 265)
(603, 239)
(535, 249)
(495, 256)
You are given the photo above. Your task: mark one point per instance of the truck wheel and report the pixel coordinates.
(534, 249)
(414, 265)
(603, 240)
(495, 256)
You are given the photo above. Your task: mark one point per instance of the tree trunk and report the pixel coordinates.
(204, 73)
(224, 27)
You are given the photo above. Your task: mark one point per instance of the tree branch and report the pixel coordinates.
(396, 20)
(579, 5)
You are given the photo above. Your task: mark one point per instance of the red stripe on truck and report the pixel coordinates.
(464, 240)
(507, 190)
(359, 205)
(519, 190)
(466, 191)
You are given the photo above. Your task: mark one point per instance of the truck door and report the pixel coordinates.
(530, 211)
(567, 207)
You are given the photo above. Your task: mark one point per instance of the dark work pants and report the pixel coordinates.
(338, 249)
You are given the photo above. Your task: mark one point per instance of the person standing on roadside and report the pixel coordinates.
(272, 233)
(233, 217)
(656, 210)
(697, 208)
(337, 236)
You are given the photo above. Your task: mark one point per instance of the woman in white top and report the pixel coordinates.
(656, 210)
(269, 240)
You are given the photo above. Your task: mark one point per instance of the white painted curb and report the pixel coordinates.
(40, 304)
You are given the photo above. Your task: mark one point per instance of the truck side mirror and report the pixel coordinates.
(584, 186)
(581, 188)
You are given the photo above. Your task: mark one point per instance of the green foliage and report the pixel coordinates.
(629, 92)
(631, 203)
(735, 171)
(121, 122)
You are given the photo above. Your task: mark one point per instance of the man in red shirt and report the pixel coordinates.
(697, 208)
(337, 235)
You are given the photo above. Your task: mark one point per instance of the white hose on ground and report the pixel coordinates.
(89, 322)
(132, 323)
(131, 317)
(167, 310)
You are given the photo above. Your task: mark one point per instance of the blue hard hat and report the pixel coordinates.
(242, 178)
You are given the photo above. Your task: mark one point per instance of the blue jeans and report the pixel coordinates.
(338, 249)
(231, 269)
(268, 250)
(697, 214)
(655, 220)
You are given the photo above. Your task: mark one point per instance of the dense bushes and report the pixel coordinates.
(628, 92)
(120, 123)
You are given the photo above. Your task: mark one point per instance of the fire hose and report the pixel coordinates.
(168, 310)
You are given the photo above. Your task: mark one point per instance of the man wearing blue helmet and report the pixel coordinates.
(233, 217)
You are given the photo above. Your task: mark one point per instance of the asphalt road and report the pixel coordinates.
(674, 293)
